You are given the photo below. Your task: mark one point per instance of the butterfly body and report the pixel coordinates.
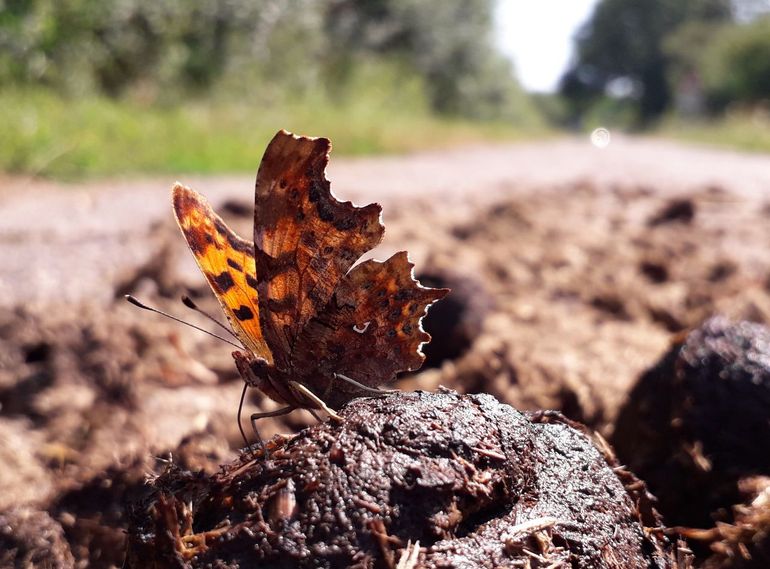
(304, 314)
(256, 372)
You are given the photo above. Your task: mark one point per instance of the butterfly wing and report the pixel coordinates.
(370, 330)
(227, 261)
(305, 239)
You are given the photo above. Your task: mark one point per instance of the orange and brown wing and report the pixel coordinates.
(370, 330)
(305, 239)
(227, 261)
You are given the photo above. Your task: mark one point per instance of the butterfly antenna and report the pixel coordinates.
(188, 302)
(135, 302)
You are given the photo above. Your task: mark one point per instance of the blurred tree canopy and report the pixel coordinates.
(449, 43)
(735, 65)
(622, 49)
(112, 46)
(259, 48)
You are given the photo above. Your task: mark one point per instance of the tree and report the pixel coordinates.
(449, 43)
(624, 40)
(736, 65)
(180, 47)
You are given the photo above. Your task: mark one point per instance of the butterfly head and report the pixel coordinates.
(252, 368)
(258, 372)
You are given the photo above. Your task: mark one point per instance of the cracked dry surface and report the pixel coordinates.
(476, 482)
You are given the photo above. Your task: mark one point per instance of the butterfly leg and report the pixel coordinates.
(257, 416)
(361, 386)
(305, 392)
(315, 414)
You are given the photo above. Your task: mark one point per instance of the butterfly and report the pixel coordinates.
(316, 329)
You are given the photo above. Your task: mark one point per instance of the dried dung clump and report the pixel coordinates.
(476, 482)
(696, 423)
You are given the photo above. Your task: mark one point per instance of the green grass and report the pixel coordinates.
(44, 134)
(742, 131)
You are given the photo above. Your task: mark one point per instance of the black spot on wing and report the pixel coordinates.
(325, 211)
(197, 240)
(196, 246)
(234, 265)
(232, 240)
(344, 224)
(314, 296)
(243, 313)
(315, 192)
(251, 281)
(309, 240)
(223, 281)
(221, 227)
(273, 266)
(287, 304)
(403, 294)
(239, 246)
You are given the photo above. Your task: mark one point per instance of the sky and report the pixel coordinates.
(537, 36)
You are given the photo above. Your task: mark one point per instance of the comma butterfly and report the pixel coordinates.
(316, 332)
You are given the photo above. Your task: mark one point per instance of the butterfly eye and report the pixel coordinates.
(361, 328)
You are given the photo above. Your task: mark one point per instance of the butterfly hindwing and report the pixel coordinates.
(305, 239)
(227, 261)
(369, 331)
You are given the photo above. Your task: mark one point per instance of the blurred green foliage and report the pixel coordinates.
(731, 63)
(449, 43)
(99, 87)
(45, 134)
(257, 48)
(735, 66)
(744, 130)
(687, 46)
(161, 49)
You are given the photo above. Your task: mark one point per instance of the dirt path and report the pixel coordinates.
(74, 242)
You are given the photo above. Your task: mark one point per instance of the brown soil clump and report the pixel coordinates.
(477, 483)
(697, 423)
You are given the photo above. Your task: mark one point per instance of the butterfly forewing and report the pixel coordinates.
(227, 261)
(305, 239)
